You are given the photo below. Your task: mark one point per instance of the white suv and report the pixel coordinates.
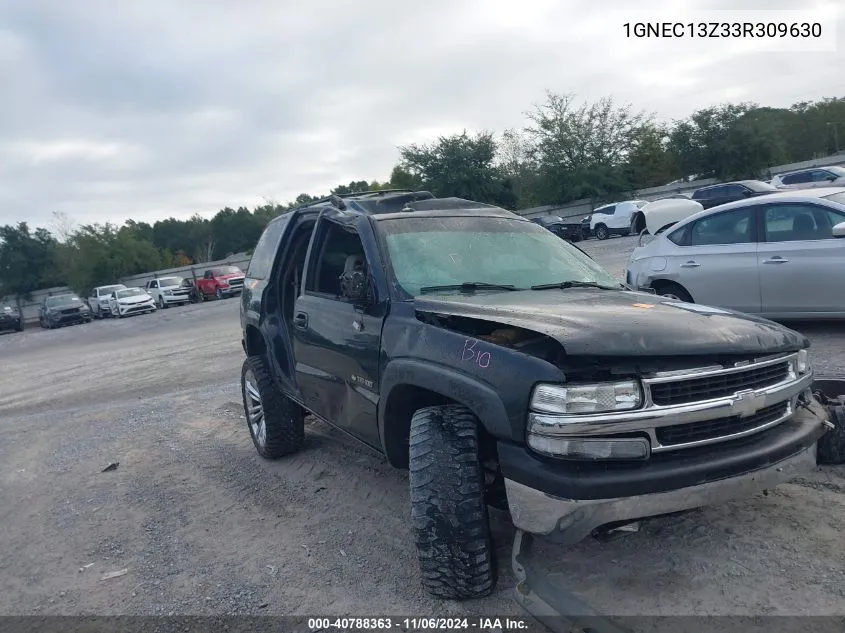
(833, 176)
(168, 291)
(614, 219)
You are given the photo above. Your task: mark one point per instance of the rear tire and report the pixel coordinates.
(448, 510)
(601, 232)
(831, 446)
(276, 423)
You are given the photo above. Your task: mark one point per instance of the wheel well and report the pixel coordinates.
(403, 402)
(254, 342)
(665, 284)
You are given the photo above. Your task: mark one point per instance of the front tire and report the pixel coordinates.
(276, 423)
(601, 232)
(673, 291)
(218, 294)
(449, 514)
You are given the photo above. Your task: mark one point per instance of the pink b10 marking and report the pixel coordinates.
(472, 355)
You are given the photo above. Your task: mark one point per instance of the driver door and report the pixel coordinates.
(336, 343)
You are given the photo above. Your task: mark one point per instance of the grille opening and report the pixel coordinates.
(718, 386)
(711, 429)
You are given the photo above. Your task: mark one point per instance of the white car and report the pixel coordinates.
(99, 299)
(833, 176)
(614, 219)
(168, 291)
(128, 301)
(657, 216)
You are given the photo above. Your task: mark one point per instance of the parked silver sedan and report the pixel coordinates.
(778, 256)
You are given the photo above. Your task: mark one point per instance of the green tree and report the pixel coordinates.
(26, 260)
(516, 158)
(649, 162)
(582, 149)
(460, 165)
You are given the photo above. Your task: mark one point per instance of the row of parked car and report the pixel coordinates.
(626, 217)
(119, 300)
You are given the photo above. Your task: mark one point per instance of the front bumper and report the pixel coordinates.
(136, 308)
(182, 298)
(10, 324)
(567, 502)
(70, 319)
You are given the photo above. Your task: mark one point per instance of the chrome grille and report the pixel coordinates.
(718, 385)
(236, 283)
(671, 436)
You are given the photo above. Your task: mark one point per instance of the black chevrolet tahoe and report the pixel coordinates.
(504, 368)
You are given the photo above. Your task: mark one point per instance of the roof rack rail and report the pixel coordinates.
(336, 199)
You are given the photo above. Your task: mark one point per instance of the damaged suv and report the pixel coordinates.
(503, 367)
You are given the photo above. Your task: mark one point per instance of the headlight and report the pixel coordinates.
(168, 292)
(587, 398)
(802, 363)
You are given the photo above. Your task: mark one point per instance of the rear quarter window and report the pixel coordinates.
(261, 262)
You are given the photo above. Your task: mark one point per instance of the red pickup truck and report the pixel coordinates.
(221, 281)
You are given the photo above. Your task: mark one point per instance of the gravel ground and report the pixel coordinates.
(204, 526)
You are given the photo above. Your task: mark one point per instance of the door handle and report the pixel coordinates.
(777, 259)
(691, 264)
(300, 321)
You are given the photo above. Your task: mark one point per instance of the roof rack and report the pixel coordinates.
(337, 200)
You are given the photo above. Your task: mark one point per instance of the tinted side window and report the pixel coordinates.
(607, 210)
(261, 262)
(731, 227)
(339, 249)
(799, 222)
(821, 175)
(733, 191)
(795, 179)
(705, 194)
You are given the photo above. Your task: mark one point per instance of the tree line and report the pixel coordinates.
(569, 150)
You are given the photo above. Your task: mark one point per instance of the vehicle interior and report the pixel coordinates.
(292, 267)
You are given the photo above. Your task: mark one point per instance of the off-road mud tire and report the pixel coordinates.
(284, 419)
(450, 520)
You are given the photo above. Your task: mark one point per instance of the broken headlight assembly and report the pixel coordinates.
(603, 397)
(556, 405)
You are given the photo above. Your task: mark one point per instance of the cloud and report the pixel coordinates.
(147, 110)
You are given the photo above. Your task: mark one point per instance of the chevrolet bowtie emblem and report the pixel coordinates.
(746, 403)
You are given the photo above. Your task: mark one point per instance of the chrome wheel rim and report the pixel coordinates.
(254, 409)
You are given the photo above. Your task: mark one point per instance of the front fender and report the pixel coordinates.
(481, 399)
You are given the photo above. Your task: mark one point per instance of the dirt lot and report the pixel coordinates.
(204, 526)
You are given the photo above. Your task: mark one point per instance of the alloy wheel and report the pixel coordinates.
(255, 409)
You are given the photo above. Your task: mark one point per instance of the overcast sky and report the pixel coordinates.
(116, 109)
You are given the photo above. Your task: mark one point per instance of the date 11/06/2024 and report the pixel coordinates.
(482, 624)
(723, 29)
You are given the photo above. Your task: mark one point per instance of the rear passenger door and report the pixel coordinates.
(716, 260)
(800, 261)
(336, 343)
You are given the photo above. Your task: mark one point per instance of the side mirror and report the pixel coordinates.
(355, 287)
(839, 230)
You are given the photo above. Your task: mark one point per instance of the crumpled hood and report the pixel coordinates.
(595, 322)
